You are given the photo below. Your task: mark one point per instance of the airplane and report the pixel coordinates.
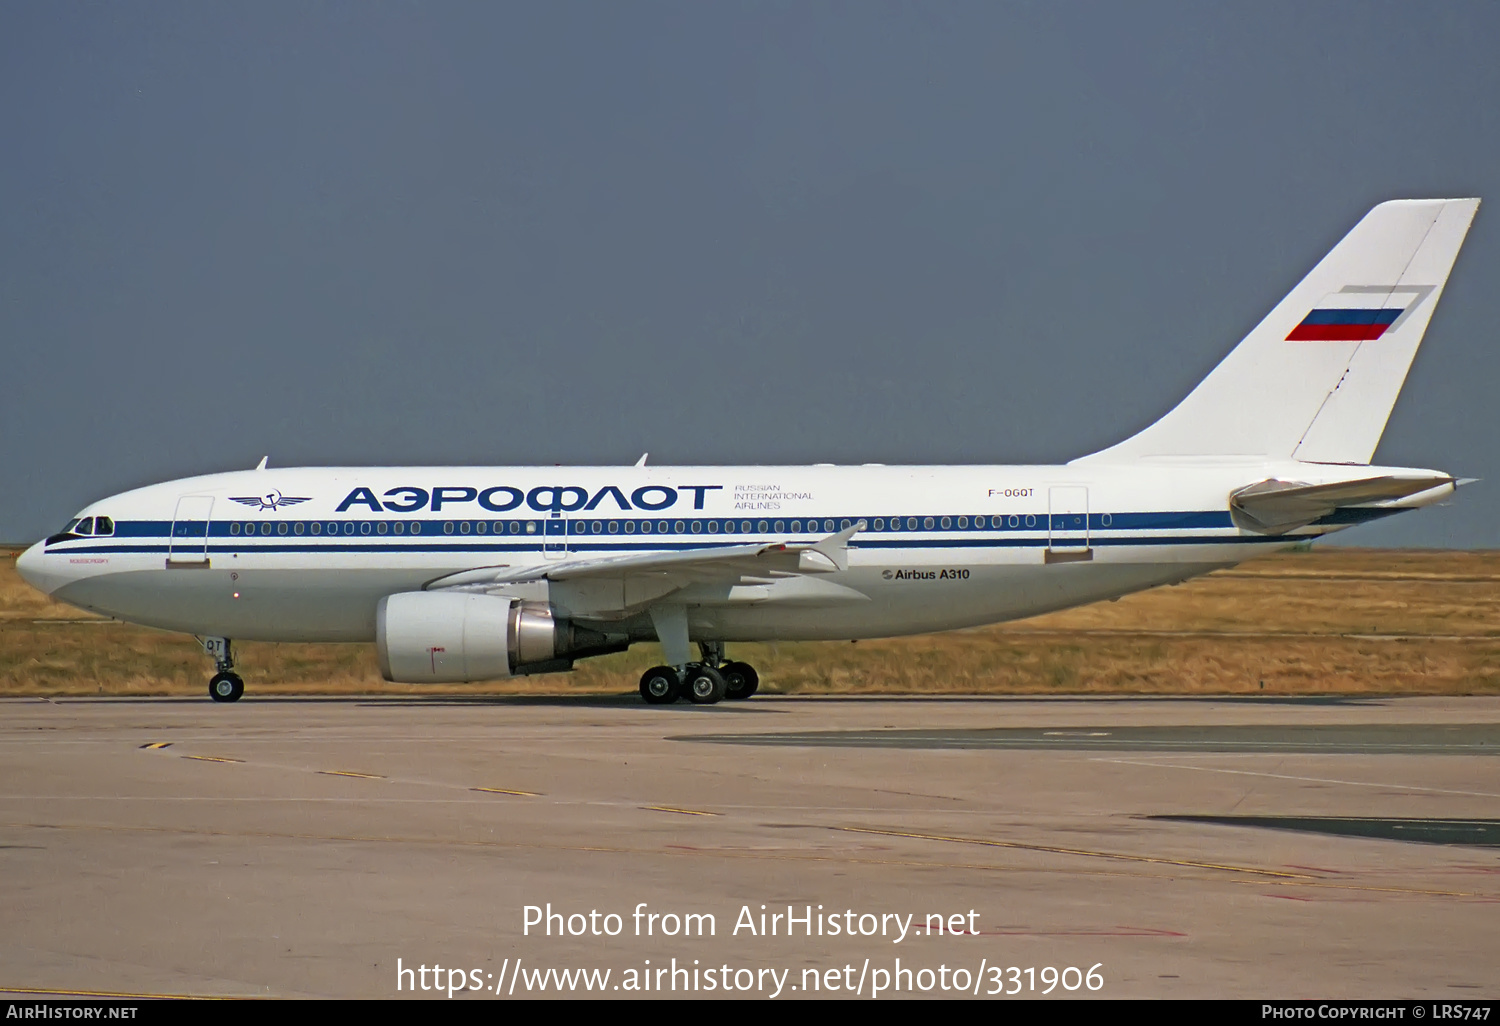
(475, 574)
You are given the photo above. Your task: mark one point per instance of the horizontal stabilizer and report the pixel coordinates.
(1275, 507)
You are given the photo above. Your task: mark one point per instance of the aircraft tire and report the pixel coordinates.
(226, 687)
(661, 685)
(704, 685)
(740, 680)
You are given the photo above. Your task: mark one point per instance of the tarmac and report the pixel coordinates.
(1268, 848)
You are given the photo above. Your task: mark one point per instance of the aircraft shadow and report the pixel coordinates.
(759, 703)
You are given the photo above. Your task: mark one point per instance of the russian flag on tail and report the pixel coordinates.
(1361, 316)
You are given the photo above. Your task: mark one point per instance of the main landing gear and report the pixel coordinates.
(225, 685)
(702, 683)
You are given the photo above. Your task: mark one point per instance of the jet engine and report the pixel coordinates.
(440, 637)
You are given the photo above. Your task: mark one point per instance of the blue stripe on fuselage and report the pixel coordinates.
(1104, 530)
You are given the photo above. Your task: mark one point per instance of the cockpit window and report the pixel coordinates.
(83, 528)
(67, 533)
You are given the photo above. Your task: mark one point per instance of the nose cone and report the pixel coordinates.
(32, 565)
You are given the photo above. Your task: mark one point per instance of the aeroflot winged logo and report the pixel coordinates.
(1359, 313)
(271, 500)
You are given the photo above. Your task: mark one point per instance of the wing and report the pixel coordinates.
(1275, 507)
(729, 564)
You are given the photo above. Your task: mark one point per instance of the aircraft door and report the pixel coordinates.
(1068, 524)
(555, 537)
(187, 545)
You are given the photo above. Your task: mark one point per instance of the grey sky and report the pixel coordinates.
(726, 233)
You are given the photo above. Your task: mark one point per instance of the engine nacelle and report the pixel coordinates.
(440, 637)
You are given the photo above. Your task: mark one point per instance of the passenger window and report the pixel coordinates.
(298, 527)
(317, 528)
(927, 524)
(234, 528)
(382, 527)
(399, 527)
(281, 527)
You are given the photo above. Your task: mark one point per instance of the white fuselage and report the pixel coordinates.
(307, 554)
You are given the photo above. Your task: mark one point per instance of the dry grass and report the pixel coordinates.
(1334, 621)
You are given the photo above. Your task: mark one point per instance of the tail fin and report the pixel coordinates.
(1316, 380)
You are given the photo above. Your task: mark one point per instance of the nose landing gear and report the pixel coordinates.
(225, 685)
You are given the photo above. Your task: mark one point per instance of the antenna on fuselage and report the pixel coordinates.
(262, 464)
(642, 461)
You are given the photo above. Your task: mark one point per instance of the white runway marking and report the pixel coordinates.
(1310, 780)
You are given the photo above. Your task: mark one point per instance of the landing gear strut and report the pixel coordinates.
(702, 683)
(225, 685)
